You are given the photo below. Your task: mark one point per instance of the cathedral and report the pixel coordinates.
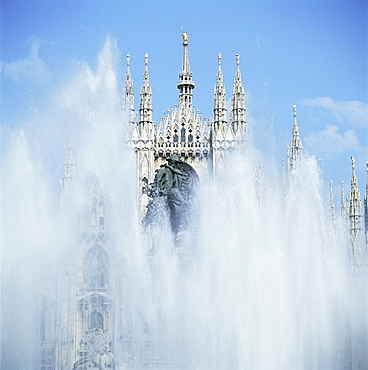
(183, 129)
(81, 329)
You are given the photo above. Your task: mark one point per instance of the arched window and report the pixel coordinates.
(182, 135)
(96, 267)
(95, 320)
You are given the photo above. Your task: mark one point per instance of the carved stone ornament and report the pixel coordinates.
(95, 351)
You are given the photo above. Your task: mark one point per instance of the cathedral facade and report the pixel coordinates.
(183, 129)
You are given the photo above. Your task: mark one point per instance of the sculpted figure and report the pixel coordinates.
(185, 37)
(175, 182)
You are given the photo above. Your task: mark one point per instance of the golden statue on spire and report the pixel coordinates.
(185, 38)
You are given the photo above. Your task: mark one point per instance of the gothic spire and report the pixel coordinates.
(237, 116)
(185, 65)
(185, 84)
(128, 93)
(296, 142)
(68, 173)
(355, 214)
(332, 203)
(355, 200)
(219, 108)
(145, 107)
(343, 205)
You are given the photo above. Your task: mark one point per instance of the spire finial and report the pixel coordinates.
(296, 142)
(295, 125)
(343, 205)
(219, 72)
(355, 215)
(68, 172)
(128, 92)
(146, 61)
(185, 84)
(128, 60)
(237, 114)
(353, 175)
(145, 110)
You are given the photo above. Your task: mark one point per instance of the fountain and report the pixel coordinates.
(264, 281)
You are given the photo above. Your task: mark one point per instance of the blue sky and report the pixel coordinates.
(312, 53)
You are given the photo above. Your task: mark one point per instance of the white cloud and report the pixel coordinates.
(351, 112)
(332, 143)
(31, 68)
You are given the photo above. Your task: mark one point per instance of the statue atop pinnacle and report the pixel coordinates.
(185, 38)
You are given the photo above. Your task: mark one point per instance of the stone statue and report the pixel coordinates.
(95, 351)
(175, 183)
